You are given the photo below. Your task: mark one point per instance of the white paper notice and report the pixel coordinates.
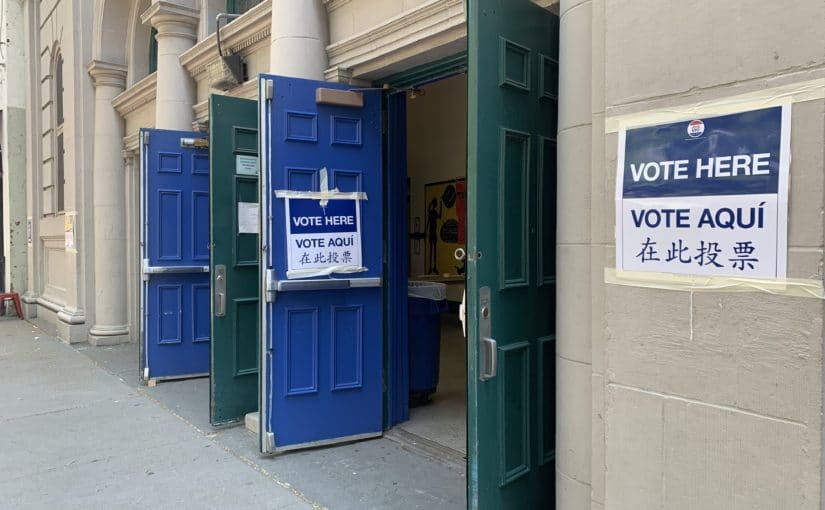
(246, 165)
(247, 217)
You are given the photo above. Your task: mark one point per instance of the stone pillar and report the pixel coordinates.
(110, 321)
(299, 39)
(177, 28)
(574, 254)
(13, 146)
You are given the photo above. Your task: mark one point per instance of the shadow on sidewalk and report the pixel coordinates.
(373, 474)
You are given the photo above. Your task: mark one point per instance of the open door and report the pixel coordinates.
(233, 157)
(321, 195)
(512, 99)
(175, 253)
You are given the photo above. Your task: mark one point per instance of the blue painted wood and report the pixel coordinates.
(176, 233)
(323, 351)
(398, 245)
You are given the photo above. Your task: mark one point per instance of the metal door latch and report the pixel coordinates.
(220, 290)
(487, 347)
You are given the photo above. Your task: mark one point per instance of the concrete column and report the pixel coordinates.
(177, 32)
(13, 103)
(110, 322)
(299, 39)
(574, 253)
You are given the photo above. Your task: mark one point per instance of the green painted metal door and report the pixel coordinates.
(512, 111)
(233, 201)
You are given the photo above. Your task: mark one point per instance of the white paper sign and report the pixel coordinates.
(247, 217)
(323, 238)
(705, 196)
(246, 165)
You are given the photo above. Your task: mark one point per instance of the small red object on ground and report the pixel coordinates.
(14, 297)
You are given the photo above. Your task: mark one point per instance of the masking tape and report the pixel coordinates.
(321, 195)
(776, 96)
(322, 176)
(326, 271)
(792, 287)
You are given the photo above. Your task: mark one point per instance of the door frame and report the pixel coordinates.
(396, 227)
(143, 361)
(264, 151)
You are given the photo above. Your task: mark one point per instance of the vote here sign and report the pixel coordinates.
(706, 196)
(324, 236)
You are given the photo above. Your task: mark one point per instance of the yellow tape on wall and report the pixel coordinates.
(795, 287)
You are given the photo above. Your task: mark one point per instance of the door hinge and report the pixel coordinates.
(271, 285)
(269, 91)
(146, 138)
(270, 441)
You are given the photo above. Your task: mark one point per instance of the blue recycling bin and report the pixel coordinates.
(427, 300)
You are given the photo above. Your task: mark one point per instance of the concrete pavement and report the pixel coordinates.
(78, 430)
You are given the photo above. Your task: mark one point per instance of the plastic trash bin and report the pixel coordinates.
(426, 302)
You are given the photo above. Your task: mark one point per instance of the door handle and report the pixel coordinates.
(487, 348)
(329, 284)
(147, 269)
(220, 291)
(488, 359)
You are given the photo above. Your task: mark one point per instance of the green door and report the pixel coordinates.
(512, 110)
(233, 264)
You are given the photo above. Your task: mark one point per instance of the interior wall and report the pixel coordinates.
(436, 148)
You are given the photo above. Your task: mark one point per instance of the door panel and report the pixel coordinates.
(322, 354)
(175, 212)
(233, 153)
(512, 80)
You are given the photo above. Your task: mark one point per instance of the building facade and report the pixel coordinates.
(664, 398)
(13, 149)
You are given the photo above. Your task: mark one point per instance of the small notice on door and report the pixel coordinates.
(246, 165)
(69, 231)
(247, 217)
(323, 239)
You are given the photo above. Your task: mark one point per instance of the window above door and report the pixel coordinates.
(240, 6)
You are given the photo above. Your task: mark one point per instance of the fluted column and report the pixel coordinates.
(175, 96)
(110, 321)
(299, 39)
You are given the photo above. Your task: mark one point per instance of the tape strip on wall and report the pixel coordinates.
(776, 96)
(793, 287)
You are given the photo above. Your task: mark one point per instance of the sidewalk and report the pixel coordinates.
(78, 430)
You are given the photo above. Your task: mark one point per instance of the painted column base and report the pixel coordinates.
(252, 422)
(48, 321)
(108, 335)
(29, 302)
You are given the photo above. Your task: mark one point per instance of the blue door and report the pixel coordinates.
(175, 252)
(321, 196)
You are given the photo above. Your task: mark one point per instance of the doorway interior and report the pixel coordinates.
(436, 162)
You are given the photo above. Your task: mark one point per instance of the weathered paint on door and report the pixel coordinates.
(233, 208)
(321, 358)
(175, 221)
(512, 94)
